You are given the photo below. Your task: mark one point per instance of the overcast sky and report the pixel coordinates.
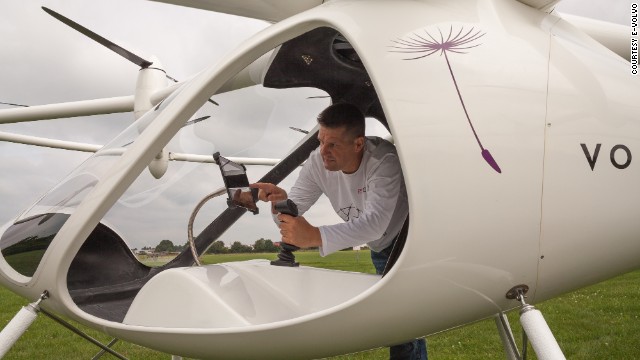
(43, 61)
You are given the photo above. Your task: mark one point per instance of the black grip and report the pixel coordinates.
(287, 207)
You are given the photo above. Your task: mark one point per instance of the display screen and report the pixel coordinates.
(235, 180)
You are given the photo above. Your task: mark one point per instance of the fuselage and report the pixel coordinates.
(516, 134)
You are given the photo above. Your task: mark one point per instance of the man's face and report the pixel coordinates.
(340, 150)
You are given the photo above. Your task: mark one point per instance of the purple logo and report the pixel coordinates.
(423, 45)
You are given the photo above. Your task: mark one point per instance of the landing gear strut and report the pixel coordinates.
(535, 330)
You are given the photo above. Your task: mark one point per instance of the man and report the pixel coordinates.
(363, 180)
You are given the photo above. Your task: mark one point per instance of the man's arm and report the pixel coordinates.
(268, 192)
(305, 192)
(307, 189)
(384, 197)
(295, 230)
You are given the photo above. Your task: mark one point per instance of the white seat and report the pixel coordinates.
(241, 294)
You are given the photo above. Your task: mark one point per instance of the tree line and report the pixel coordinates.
(218, 247)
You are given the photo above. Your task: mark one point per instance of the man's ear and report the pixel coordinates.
(359, 143)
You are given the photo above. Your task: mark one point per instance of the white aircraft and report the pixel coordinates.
(516, 132)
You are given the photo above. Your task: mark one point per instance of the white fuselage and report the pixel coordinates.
(557, 111)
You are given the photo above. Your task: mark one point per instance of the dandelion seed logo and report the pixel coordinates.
(422, 44)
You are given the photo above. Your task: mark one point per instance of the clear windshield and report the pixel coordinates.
(252, 122)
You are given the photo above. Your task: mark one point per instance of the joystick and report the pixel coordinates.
(286, 256)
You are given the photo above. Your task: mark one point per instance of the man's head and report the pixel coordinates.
(341, 137)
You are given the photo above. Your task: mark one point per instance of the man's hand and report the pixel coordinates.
(244, 199)
(270, 193)
(297, 231)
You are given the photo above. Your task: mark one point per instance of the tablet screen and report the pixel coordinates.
(235, 180)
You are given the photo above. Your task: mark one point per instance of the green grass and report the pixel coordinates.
(25, 262)
(597, 322)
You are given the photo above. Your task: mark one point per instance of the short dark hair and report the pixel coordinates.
(343, 114)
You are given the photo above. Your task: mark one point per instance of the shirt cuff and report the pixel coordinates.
(325, 248)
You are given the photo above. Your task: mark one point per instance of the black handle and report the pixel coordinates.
(287, 207)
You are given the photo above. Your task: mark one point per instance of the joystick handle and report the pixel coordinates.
(287, 207)
(286, 256)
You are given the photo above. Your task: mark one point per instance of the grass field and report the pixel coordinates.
(598, 322)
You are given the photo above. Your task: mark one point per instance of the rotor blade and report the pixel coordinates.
(298, 129)
(12, 104)
(191, 122)
(170, 78)
(176, 81)
(110, 45)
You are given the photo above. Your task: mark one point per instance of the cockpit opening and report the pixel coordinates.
(305, 75)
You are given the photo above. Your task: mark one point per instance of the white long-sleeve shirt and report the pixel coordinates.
(372, 201)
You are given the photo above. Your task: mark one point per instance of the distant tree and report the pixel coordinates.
(218, 248)
(260, 246)
(181, 247)
(270, 246)
(265, 246)
(165, 245)
(238, 248)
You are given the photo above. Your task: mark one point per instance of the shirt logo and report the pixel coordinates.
(349, 212)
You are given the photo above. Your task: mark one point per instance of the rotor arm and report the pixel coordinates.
(66, 110)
